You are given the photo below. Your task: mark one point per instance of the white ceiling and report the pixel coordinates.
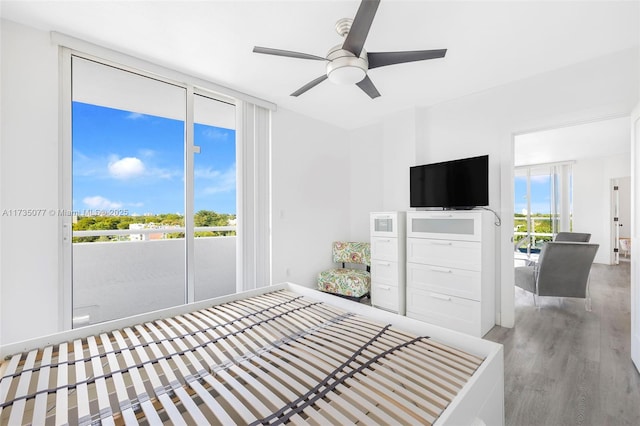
(596, 139)
(490, 44)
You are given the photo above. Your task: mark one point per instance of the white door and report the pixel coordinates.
(635, 236)
(615, 195)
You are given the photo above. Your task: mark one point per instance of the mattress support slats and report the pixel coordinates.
(269, 359)
(131, 347)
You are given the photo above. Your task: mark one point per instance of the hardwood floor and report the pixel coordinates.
(567, 366)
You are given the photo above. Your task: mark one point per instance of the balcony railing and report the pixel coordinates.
(149, 231)
(123, 278)
(534, 235)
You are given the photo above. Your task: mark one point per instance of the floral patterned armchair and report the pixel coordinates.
(348, 282)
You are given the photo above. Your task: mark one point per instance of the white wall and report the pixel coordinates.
(486, 122)
(380, 154)
(310, 195)
(311, 187)
(29, 264)
(366, 168)
(399, 133)
(2, 135)
(635, 235)
(592, 199)
(312, 182)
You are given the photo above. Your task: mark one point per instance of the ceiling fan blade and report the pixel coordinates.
(360, 26)
(309, 85)
(367, 86)
(381, 59)
(287, 53)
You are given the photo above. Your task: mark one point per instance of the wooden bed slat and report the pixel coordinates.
(138, 384)
(262, 360)
(82, 390)
(124, 403)
(174, 384)
(158, 387)
(62, 394)
(104, 406)
(40, 404)
(191, 381)
(17, 409)
(8, 369)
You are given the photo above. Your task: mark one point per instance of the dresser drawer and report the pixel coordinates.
(444, 310)
(455, 282)
(384, 248)
(387, 224)
(465, 226)
(452, 254)
(382, 270)
(385, 296)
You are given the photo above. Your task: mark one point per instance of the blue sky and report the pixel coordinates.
(135, 162)
(540, 194)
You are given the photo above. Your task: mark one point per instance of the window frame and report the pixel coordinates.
(246, 206)
(560, 194)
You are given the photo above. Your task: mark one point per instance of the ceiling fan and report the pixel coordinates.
(348, 63)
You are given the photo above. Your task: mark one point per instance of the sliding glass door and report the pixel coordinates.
(153, 194)
(214, 195)
(542, 204)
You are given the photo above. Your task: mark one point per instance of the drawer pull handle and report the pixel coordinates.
(384, 287)
(443, 270)
(438, 243)
(384, 264)
(441, 297)
(384, 241)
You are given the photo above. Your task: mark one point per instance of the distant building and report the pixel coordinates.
(148, 236)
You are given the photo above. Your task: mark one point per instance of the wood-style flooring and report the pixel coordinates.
(567, 366)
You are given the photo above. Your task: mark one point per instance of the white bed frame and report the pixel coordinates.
(480, 401)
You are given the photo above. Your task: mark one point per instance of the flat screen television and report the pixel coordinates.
(457, 184)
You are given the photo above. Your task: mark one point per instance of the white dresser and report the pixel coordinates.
(388, 246)
(451, 269)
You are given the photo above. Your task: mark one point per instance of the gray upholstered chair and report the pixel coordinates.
(562, 270)
(577, 237)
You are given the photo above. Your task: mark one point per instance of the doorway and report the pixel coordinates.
(597, 152)
(621, 220)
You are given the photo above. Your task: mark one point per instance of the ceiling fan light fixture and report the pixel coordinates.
(348, 62)
(345, 68)
(346, 75)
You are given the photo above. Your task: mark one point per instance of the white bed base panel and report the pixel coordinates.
(481, 400)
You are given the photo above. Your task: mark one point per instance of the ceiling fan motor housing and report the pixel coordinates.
(346, 68)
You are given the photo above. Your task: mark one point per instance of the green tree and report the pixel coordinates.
(211, 218)
(201, 218)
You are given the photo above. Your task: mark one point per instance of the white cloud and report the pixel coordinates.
(98, 202)
(164, 173)
(216, 181)
(135, 116)
(126, 168)
(145, 152)
(216, 134)
(207, 173)
(83, 165)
